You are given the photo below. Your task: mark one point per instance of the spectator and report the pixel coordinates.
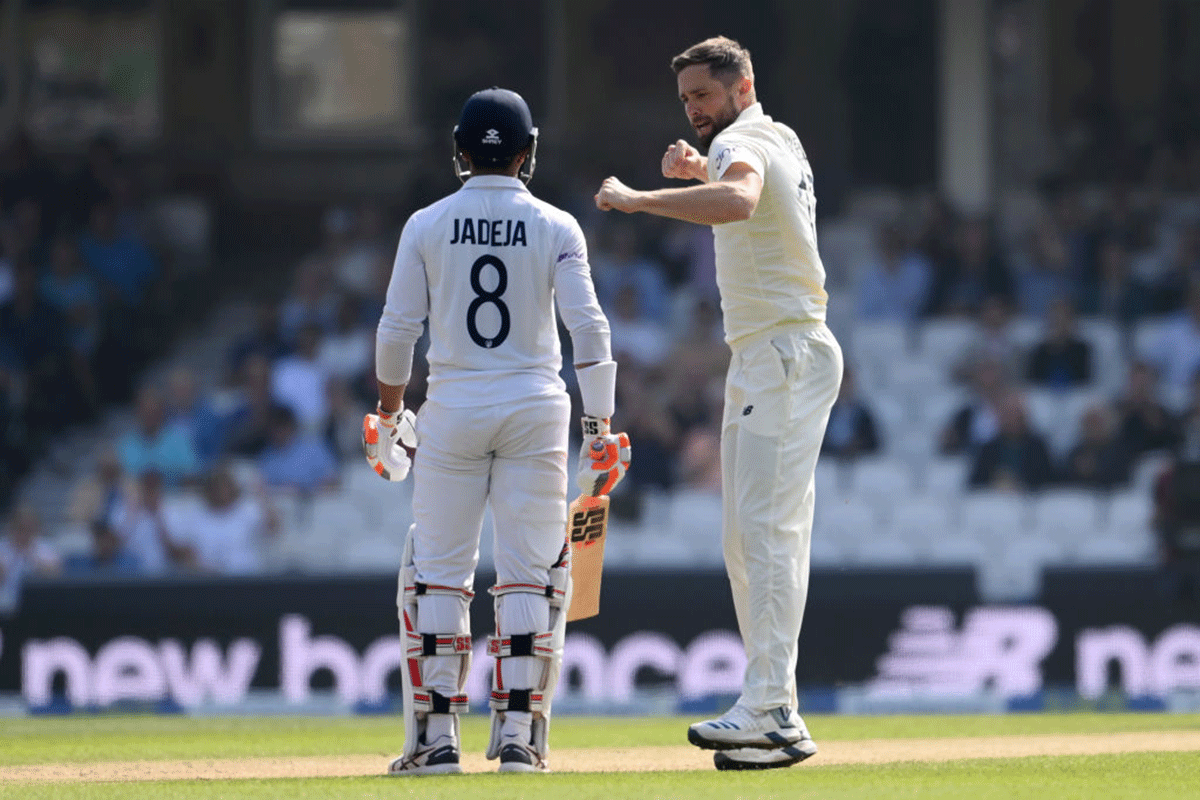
(123, 263)
(851, 431)
(1144, 423)
(102, 494)
(25, 174)
(648, 423)
(698, 469)
(1176, 353)
(637, 336)
(227, 530)
(1101, 459)
(978, 420)
(348, 351)
(1169, 289)
(992, 341)
(622, 264)
(369, 245)
(24, 553)
(1177, 514)
(108, 555)
(75, 294)
(33, 342)
(16, 448)
(1046, 277)
(264, 339)
(201, 418)
(1062, 360)
(296, 459)
(1016, 458)
(300, 382)
(343, 432)
(247, 411)
(312, 302)
(1114, 293)
(156, 444)
(96, 180)
(973, 273)
(895, 285)
(10, 256)
(149, 529)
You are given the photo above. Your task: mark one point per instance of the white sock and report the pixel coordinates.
(438, 725)
(517, 725)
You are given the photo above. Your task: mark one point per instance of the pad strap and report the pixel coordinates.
(516, 700)
(414, 588)
(555, 590)
(521, 644)
(438, 644)
(431, 701)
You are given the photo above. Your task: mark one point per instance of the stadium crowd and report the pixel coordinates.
(83, 293)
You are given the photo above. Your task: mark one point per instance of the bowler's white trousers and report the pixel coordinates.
(778, 393)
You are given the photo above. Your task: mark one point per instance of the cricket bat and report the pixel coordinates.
(587, 525)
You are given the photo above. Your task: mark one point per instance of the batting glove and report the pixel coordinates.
(390, 442)
(603, 459)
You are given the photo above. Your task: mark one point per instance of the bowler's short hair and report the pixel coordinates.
(727, 60)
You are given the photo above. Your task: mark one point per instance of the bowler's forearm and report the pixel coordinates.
(707, 204)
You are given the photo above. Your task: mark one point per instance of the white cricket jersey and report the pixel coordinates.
(484, 266)
(768, 268)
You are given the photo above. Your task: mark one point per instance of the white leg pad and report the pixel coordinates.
(435, 629)
(531, 625)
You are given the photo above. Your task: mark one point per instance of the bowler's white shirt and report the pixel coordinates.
(768, 268)
(493, 339)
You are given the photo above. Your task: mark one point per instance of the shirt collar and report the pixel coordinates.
(494, 182)
(753, 111)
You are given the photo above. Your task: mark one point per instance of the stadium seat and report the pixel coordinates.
(828, 480)
(1009, 580)
(845, 523)
(826, 552)
(1035, 550)
(945, 477)
(885, 551)
(954, 549)
(1127, 548)
(1066, 515)
(1026, 332)
(1131, 509)
(943, 341)
(993, 517)
(923, 523)
(880, 481)
(1146, 335)
(1109, 362)
(375, 553)
(891, 416)
(875, 349)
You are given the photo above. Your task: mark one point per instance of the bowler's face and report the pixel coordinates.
(708, 103)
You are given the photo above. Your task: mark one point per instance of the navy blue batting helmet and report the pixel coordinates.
(495, 125)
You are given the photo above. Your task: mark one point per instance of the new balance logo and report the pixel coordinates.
(493, 137)
(746, 411)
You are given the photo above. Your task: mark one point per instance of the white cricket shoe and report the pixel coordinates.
(757, 758)
(516, 756)
(438, 758)
(740, 727)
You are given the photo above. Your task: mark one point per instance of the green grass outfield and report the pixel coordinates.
(86, 739)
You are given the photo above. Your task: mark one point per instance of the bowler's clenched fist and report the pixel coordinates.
(614, 194)
(684, 162)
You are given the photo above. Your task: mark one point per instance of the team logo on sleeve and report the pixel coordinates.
(722, 158)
